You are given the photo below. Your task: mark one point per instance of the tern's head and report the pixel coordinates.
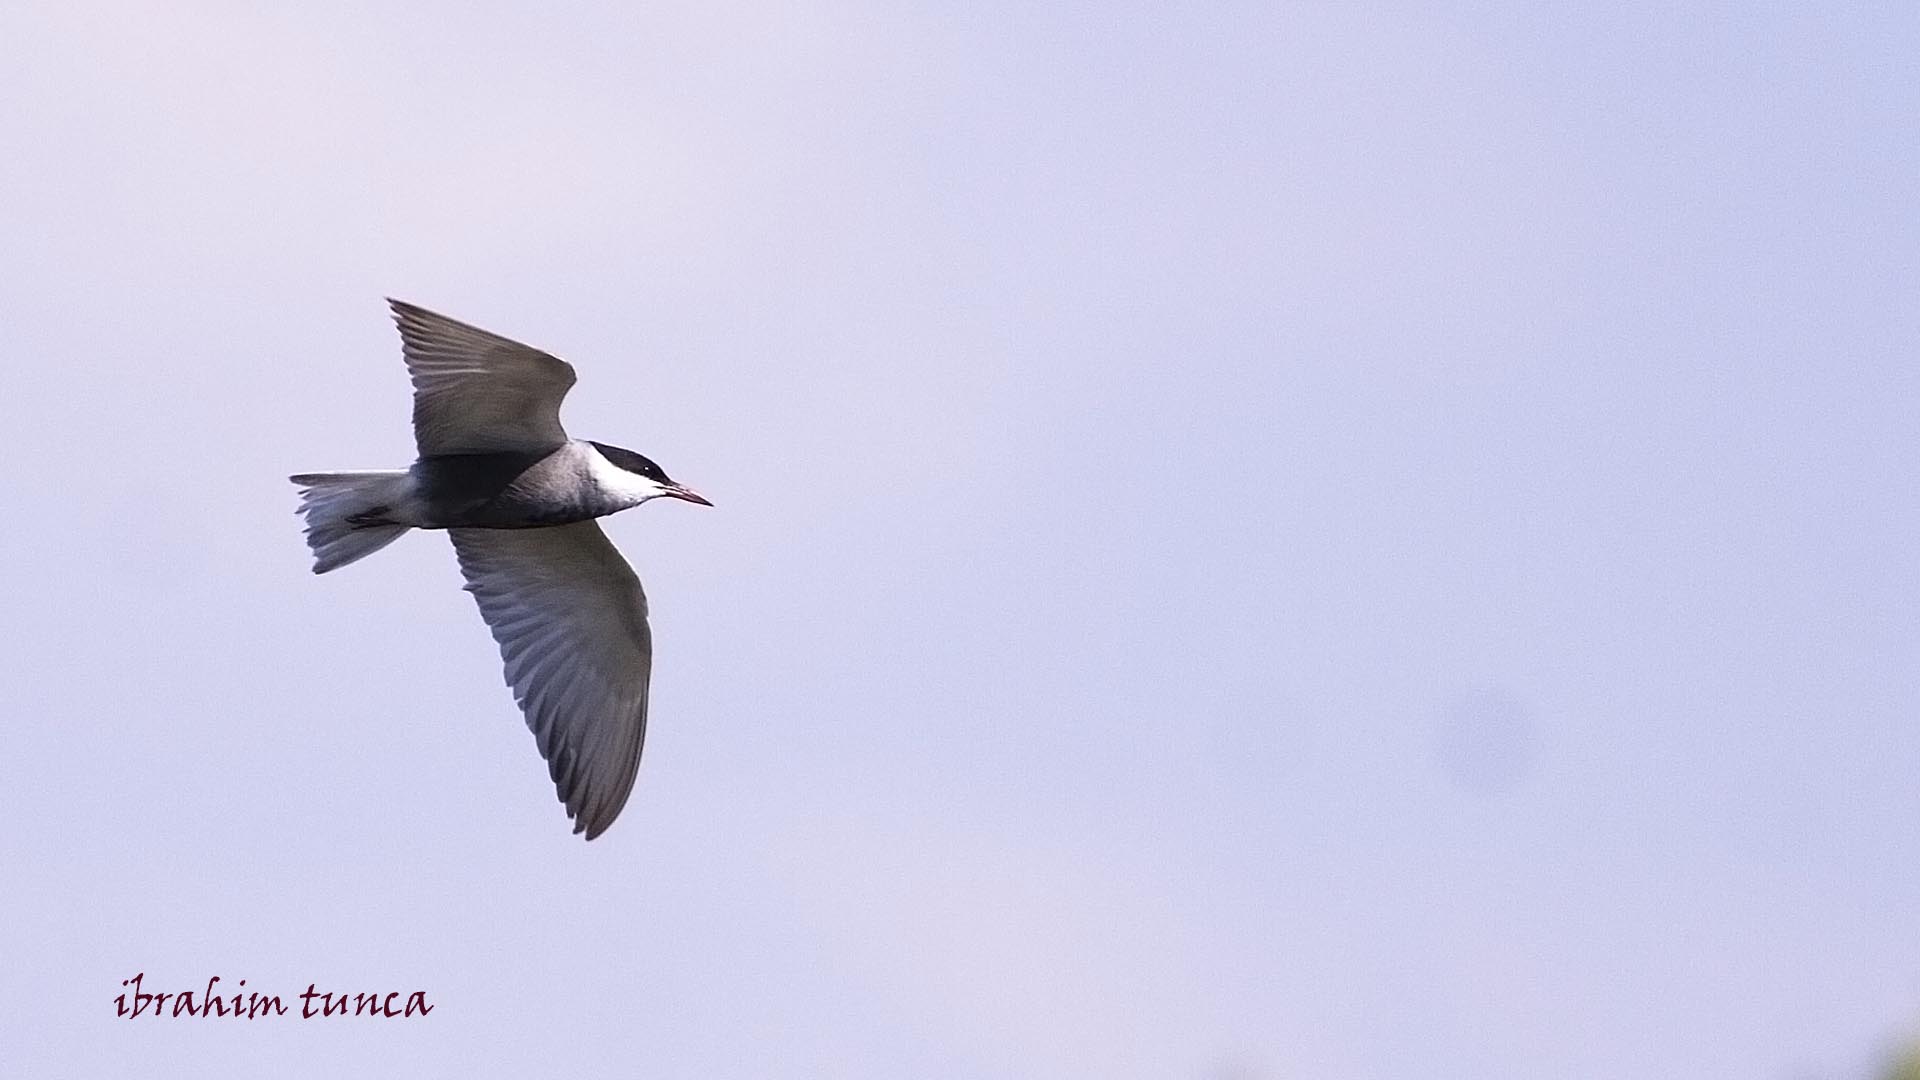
(637, 477)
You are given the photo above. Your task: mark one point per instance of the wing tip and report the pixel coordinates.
(591, 813)
(598, 815)
(402, 311)
(596, 820)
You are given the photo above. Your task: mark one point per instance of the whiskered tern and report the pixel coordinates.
(518, 497)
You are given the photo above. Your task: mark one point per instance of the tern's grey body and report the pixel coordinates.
(518, 497)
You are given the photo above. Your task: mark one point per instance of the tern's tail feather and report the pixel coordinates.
(346, 514)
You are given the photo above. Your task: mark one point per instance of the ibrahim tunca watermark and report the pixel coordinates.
(238, 1002)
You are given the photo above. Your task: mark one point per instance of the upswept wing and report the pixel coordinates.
(475, 392)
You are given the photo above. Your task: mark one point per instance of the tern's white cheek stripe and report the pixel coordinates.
(628, 487)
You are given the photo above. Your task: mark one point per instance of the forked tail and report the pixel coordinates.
(347, 514)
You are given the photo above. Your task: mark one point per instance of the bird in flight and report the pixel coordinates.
(518, 497)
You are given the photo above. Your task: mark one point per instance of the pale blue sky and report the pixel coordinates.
(1271, 541)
